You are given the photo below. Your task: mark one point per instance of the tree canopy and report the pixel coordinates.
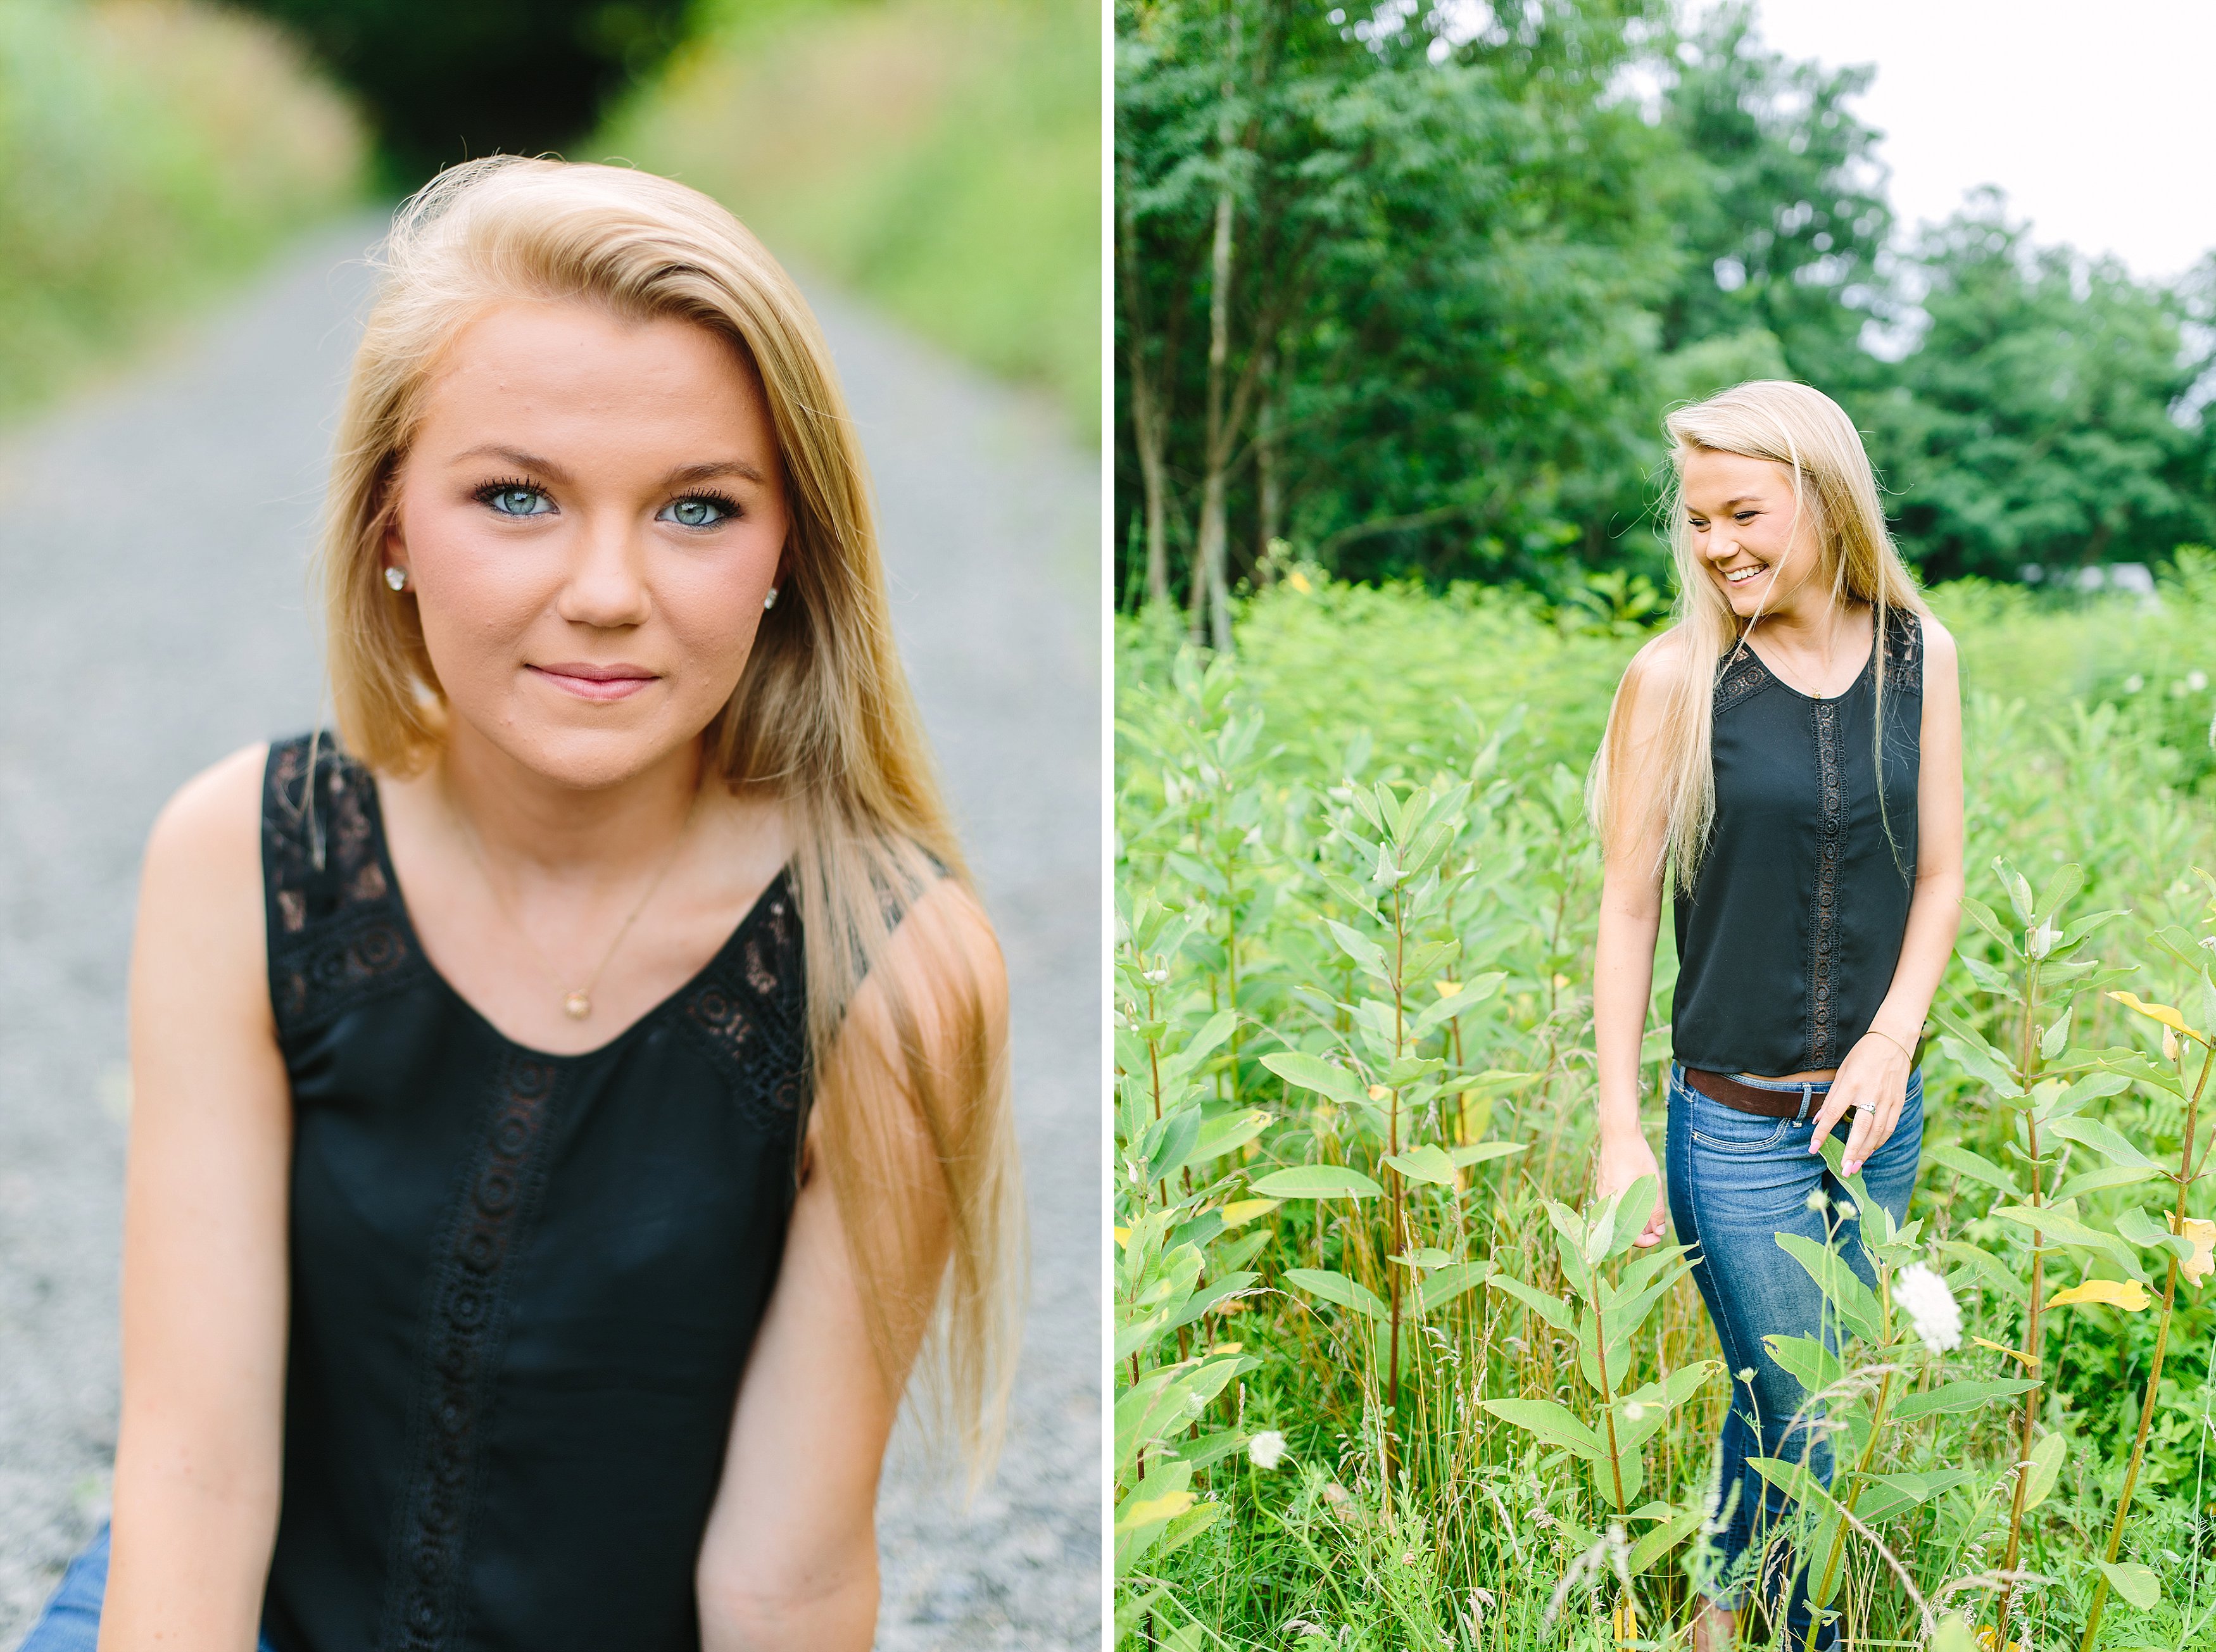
(1406, 292)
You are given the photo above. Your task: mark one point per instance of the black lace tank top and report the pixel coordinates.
(1788, 940)
(523, 1285)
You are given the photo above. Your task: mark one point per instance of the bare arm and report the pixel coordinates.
(1630, 920)
(199, 1458)
(790, 1559)
(1876, 1069)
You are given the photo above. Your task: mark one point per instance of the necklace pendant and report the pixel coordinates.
(576, 1006)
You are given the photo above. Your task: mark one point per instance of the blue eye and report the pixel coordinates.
(697, 510)
(515, 499)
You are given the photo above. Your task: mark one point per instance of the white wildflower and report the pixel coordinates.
(1815, 1201)
(1632, 1411)
(1266, 1449)
(1930, 1306)
(2196, 681)
(1744, 1373)
(2133, 683)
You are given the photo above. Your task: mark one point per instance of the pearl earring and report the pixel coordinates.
(397, 578)
(770, 601)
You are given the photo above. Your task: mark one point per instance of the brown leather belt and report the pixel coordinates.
(1745, 1098)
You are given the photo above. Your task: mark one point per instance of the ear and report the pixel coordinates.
(395, 536)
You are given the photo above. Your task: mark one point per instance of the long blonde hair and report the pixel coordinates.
(1836, 500)
(821, 713)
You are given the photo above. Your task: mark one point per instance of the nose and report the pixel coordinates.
(606, 586)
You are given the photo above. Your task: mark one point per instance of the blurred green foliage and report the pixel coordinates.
(1406, 292)
(939, 157)
(147, 152)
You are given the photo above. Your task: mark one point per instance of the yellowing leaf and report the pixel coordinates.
(1122, 1236)
(2016, 1355)
(1446, 989)
(1299, 582)
(1246, 1209)
(2127, 1294)
(1146, 1510)
(2198, 1267)
(2162, 1013)
(1378, 1092)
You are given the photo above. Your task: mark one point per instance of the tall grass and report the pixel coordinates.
(940, 157)
(1354, 1135)
(149, 149)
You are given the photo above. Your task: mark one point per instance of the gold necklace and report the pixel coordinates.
(576, 1002)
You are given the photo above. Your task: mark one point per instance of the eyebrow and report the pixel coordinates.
(682, 476)
(1737, 499)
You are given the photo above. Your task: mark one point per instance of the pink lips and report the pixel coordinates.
(596, 682)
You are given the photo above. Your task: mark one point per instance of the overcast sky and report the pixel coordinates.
(2098, 121)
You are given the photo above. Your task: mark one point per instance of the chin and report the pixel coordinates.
(587, 756)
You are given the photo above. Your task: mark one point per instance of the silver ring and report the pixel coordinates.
(1865, 1107)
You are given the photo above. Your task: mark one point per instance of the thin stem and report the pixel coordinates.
(2026, 1056)
(2154, 1372)
(1861, 1479)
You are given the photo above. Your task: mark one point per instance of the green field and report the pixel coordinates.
(1357, 896)
(149, 154)
(940, 158)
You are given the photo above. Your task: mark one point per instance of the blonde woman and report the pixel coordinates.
(1785, 762)
(566, 1098)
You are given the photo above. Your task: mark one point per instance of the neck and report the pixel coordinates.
(1812, 619)
(532, 824)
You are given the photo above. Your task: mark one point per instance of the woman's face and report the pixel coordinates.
(1740, 515)
(590, 515)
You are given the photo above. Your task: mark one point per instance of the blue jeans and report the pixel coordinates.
(70, 1622)
(1736, 1182)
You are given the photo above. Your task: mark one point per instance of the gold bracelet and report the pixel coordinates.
(1894, 1042)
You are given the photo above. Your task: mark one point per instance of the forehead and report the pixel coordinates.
(572, 372)
(1713, 480)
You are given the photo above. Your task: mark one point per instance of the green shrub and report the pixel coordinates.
(1359, 1397)
(147, 151)
(940, 157)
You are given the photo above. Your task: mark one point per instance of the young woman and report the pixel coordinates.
(563, 1099)
(1786, 762)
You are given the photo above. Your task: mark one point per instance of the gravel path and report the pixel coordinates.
(154, 535)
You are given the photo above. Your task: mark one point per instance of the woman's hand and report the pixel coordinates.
(1873, 1080)
(1623, 1159)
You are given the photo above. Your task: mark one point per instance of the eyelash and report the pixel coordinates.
(722, 501)
(485, 495)
(491, 490)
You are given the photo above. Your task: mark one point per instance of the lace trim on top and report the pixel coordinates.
(461, 1352)
(749, 1012)
(1823, 926)
(1739, 677)
(337, 934)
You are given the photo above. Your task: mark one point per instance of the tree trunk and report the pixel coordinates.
(1150, 419)
(1271, 524)
(1209, 553)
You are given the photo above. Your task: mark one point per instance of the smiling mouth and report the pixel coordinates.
(1740, 576)
(599, 683)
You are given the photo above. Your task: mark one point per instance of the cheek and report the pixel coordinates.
(469, 587)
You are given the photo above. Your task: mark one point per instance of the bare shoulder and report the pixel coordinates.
(1659, 655)
(944, 958)
(1939, 648)
(203, 867)
(212, 825)
(937, 989)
